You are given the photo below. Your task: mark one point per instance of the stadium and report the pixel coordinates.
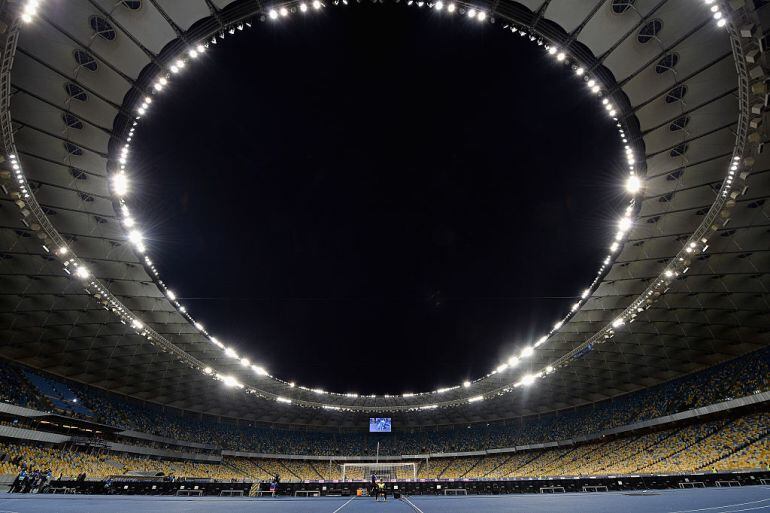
(646, 388)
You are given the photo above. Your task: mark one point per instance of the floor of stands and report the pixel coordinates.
(755, 499)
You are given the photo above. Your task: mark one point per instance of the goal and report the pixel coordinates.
(383, 471)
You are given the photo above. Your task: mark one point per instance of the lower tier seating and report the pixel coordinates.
(730, 443)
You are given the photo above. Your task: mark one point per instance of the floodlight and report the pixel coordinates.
(633, 184)
(120, 184)
(624, 224)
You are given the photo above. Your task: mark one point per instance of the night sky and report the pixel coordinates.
(378, 198)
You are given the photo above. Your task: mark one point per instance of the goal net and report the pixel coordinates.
(382, 471)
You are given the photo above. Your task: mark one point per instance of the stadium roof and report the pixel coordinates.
(690, 283)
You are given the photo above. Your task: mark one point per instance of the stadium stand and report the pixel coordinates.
(58, 394)
(741, 377)
(727, 441)
(15, 389)
(738, 443)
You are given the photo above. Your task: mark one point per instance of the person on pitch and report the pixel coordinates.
(380, 491)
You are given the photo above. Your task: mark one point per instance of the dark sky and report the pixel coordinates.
(377, 198)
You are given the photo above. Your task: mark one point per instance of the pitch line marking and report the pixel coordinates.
(349, 501)
(418, 510)
(712, 508)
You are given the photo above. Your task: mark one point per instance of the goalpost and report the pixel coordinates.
(383, 471)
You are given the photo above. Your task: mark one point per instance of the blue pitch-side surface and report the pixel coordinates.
(753, 499)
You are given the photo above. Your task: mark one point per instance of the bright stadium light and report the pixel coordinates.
(231, 352)
(135, 237)
(528, 379)
(513, 361)
(170, 294)
(476, 399)
(501, 367)
(120, 184)
(82, 272)
(633, 184)
(466, 384)
(283, 400)
(624, 224)
(245, 362)
(527, 352)
(230, 381)
(259, 370)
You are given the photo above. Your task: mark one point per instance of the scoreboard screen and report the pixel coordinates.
(379, 425)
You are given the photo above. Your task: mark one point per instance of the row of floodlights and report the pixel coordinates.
(716, 12)
(120, 183)
(451, 7)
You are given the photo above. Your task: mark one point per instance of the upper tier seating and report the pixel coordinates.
(58, 394)
(740, 377)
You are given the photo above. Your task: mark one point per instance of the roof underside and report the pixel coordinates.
(717, 311)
